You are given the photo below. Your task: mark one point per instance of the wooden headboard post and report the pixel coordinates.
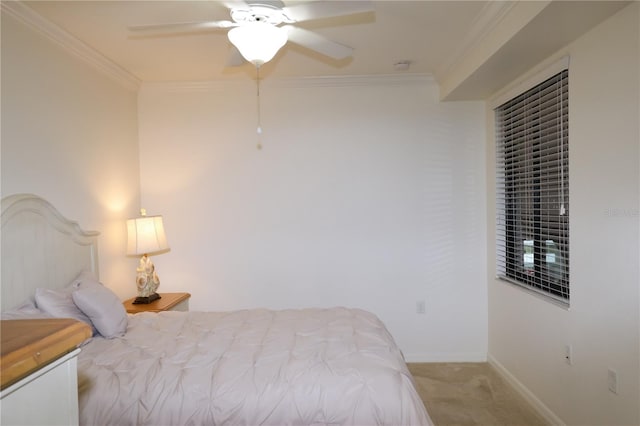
(40, 248)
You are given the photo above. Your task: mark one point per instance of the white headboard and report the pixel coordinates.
(40, 248)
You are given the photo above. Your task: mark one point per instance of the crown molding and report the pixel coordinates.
(491, 14)
(295, 82)
(24, 14)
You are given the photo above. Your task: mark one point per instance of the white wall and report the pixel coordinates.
(527, 335)
(69, 134)
(368, 193)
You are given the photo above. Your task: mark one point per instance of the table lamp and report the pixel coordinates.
(146, 236)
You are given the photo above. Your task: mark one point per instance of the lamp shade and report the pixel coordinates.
(258, 42)
(146, 235)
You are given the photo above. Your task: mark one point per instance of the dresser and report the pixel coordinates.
(38, 371)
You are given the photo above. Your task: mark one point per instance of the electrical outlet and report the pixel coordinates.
(568, 354)
(612, 380)
(421, 307)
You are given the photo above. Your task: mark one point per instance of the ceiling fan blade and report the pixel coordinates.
(233, 4)
(326, 9)
(235, 58)
(181, 27)
(315, 41)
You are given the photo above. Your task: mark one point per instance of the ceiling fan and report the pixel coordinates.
(259, 28)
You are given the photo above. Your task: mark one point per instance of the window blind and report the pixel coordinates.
(532, 188)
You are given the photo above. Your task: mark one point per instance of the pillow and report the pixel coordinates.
(27, 310)
(102, 306)
(59, 304)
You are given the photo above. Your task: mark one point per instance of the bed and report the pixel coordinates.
(246, 367)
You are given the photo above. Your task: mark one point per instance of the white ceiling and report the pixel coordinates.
(424, 32)
(472, 48)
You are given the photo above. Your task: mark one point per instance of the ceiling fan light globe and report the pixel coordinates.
(258, 42)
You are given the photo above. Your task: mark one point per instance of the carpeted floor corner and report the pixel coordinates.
(466, 394)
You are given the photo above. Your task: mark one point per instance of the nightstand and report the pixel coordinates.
(167, 302)
(39, 369)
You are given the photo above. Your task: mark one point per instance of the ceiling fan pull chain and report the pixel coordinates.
(259, 130)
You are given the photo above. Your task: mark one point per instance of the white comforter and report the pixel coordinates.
(251, 367)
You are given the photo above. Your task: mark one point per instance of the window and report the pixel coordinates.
(532, 188)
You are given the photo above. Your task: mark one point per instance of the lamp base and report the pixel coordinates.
(140, 300)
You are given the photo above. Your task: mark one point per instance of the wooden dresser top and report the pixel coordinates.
(28, 345)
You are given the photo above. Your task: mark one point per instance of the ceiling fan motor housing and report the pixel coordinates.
(269, 13)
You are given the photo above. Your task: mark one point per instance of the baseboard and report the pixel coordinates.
(446, 357)
(537, 405)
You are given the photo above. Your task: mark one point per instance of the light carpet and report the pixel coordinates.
(471, 394)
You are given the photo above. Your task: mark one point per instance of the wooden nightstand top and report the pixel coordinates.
(165, 303)
(28, 345)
